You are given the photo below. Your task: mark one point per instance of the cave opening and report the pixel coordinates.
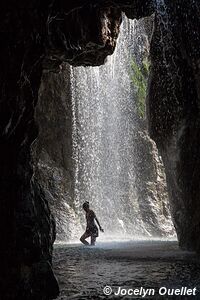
(94, 144)
(103, 152)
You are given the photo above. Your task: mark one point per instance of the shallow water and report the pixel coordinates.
(83, 272)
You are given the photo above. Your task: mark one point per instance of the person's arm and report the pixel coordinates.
(100, 228)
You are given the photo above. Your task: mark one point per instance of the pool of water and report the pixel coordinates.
(83, 272)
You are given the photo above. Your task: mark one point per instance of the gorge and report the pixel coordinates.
(40, 38)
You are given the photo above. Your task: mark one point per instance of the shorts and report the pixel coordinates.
(92, 231)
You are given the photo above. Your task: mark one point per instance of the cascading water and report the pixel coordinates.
(104, 149)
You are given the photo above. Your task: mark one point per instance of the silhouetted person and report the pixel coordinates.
(91, 229)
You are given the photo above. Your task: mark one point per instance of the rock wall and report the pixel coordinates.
(85, 32)
(27, 227)
(54, 167)
(151, 185)
(173, 111)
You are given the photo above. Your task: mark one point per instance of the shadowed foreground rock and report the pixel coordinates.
(173, 111)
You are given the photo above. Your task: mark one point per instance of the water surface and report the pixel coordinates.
(83, 272)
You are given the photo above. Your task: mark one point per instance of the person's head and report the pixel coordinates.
(86, 206)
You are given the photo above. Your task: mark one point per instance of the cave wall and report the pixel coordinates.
(52, 152)
(85, 32)
(27, 227)
(173, 111)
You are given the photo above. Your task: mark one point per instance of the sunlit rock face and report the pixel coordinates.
(173, 110)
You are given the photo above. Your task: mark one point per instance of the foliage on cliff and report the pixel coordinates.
(139, 77)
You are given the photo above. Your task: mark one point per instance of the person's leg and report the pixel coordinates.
(93, 240)
(84, 237)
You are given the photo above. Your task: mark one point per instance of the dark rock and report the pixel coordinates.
(75, 34)
(173, 111)
(27, 228)
(140, 9)
(84, 36)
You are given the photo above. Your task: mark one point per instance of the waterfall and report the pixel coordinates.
(104, 133)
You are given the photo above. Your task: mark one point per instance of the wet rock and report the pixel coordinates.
(54, 166)
(173, 111)
(151, 185)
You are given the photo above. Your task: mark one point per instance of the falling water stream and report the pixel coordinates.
(104, 127)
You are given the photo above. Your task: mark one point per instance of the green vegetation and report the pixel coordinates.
(139, 78)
